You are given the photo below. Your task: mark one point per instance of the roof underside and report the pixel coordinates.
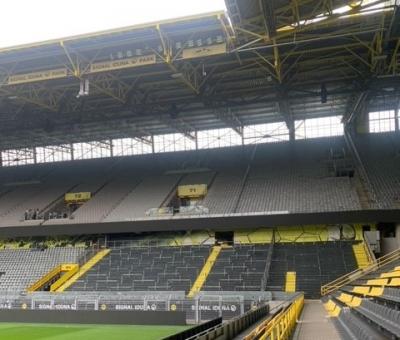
(263, 61)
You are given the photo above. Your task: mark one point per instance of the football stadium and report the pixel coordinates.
(226, 175)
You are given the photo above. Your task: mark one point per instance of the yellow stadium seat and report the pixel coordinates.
(330, 305)
(361, 290)
(350, 300)
(394, 282)
(376, 291)
(395, 273)
(355, 302)
(377, 282)
(332, 308)
(345, 297)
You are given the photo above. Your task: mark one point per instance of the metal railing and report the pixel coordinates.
(359, 273)
(370, 254)
(282, 324)
(89, 253)
(232, 328)
(365, 180)
(265, 277)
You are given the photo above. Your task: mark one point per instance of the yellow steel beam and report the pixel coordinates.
(164, 44)
(277, 62)
(75, 66)
(367, 63)
(32, 96)
(394, 59)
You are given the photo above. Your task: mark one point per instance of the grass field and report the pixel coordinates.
(23, 331)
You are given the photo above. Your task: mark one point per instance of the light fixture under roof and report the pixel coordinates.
(176, 75)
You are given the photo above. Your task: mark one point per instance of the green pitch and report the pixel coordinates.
(27, 331)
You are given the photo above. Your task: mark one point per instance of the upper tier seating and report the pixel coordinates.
(380, 154)
(281, 177)
(150, 193)
(224, 192)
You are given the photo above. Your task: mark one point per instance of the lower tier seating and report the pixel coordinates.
(238, 268)
(145, 269)
(241, 267)
(23, 267)
(314, 263)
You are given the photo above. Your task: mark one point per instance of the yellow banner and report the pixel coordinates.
(37, 76)
(123, 63)
(203, 51)
(72, 197)
(192, 190)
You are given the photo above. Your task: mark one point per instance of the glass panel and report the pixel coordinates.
(218, 138)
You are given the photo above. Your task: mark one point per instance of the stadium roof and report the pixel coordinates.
(262, 61)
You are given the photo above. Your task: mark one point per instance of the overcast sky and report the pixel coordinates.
(26, 21)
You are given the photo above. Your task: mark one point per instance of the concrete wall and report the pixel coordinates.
(219, 223)
(389, 244)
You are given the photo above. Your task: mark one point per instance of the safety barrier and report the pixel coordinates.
(61, 272)
(232, 328)
(359, 273)
(265, 277)
(196, 330)
(282, 325)
(199, 309)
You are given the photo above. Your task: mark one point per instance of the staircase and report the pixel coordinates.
(290, 284)
(202, 277)
(362, 193)
(83, 269)
(361, 255)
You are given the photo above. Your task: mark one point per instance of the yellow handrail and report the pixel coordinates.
(281, 326)
(358, 273)
(44, 279)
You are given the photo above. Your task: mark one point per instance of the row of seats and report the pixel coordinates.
(380, 154)
(369, 307)
(146, 268)
(293, 177)
(23, 267)
(238, 268)
(314, 263)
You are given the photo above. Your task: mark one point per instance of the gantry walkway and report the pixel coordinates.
(314, 323)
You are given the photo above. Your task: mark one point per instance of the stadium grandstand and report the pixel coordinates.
(227, 175)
